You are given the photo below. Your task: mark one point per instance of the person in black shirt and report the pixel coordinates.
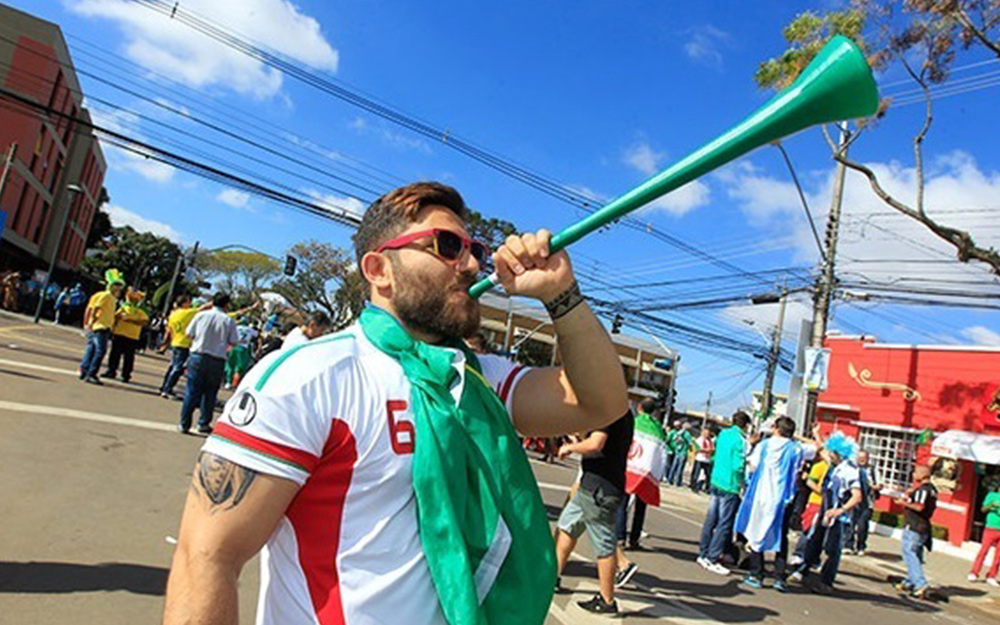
(919, 501)
(594, 507)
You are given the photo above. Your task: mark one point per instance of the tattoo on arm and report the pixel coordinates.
(224, 483)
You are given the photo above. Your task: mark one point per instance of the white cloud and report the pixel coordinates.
(678, 202)
(124, 160)
(643, 158)
(388, 136)
(234, 198)
(763, 317)
(957, 192)
(169, 47)
(338, 204)
(705, 45)
(981, 335)
(123, 217)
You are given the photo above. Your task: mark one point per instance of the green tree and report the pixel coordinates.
(922, 36)
(327, 279)
(145, 259)
(239, 273)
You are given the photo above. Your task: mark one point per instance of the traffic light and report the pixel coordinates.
(616, 324)
(290, 263)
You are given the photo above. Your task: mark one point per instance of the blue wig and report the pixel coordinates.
(842, 445)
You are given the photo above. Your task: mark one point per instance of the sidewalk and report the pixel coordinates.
(946, 572)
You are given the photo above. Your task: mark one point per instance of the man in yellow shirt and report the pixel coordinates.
(129, 321)
(98, 319)
(179, 341)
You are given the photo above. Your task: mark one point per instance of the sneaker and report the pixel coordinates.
(633, 546)
(718, 569)
(861, 552)
(796, 576)
(794, 561)
(182, 429)
(753, 582)
(597, 605)
(623, 576)
(109, 374)
(92, 379)
(992, 581)
(903, 586)
(703, 562)
(972, 577)
(205, 429)
(921, 593)
(780, 586)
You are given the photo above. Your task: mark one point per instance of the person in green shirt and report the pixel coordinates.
(681, 444)
(991, 538)
(724, 494)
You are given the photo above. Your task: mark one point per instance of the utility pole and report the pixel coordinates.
(772, 361)
(708, 409)
(173, 279)
(74, 190)
(825, 283)
(7, 164)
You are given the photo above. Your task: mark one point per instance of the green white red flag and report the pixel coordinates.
(647, 460)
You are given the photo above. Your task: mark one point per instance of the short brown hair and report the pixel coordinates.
(393, 212)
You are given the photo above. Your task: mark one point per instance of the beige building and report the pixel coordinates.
(517, 326)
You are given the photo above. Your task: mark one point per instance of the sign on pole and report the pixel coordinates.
(817, 362)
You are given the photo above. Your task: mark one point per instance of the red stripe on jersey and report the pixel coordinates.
(505, 387)
(316, 514)
(301, 459)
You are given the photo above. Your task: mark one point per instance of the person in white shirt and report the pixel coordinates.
(316, 325)
(322, 456)
(212, 332)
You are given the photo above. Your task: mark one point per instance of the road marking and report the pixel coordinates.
(30, 365)
(83, 415)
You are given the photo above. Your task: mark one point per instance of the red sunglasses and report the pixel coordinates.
(447, 245)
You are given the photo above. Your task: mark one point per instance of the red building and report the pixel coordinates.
(51, 150)
(909, 404)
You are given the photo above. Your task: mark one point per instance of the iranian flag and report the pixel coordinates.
(647, 460)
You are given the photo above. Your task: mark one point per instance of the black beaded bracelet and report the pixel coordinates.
(566, 301)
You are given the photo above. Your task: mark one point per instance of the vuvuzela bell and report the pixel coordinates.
(837, 85)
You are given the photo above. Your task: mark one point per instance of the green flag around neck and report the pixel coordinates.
(482, 523)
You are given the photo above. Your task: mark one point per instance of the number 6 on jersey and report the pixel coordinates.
(401, 433)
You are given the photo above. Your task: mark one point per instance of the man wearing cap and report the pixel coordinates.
(98, 319)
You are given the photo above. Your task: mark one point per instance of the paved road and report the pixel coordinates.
(94, 478)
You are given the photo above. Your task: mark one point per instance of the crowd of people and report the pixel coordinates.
(762, 486)
(210, 344)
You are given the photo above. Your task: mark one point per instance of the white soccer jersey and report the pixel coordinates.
(334, 416)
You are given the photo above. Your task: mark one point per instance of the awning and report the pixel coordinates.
(963, 445)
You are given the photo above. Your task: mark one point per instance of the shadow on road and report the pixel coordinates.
(24, 375)
(66, 577)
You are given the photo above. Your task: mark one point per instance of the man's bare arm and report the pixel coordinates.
(589, 390)
(590, 445)
(230, 513)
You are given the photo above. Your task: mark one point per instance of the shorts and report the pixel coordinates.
(809, 516)
(595, 511)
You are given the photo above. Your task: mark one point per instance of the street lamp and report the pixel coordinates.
(73, 189)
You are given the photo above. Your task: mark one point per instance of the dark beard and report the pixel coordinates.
(447, 313)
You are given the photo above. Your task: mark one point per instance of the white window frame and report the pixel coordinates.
(892, 454)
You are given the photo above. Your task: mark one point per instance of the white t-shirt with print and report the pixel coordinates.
(333, 415)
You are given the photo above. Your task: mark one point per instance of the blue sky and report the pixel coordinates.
(597, 95)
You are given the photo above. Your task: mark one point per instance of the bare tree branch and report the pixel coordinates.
(918, 139)
(967, 23)
(965, 247)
